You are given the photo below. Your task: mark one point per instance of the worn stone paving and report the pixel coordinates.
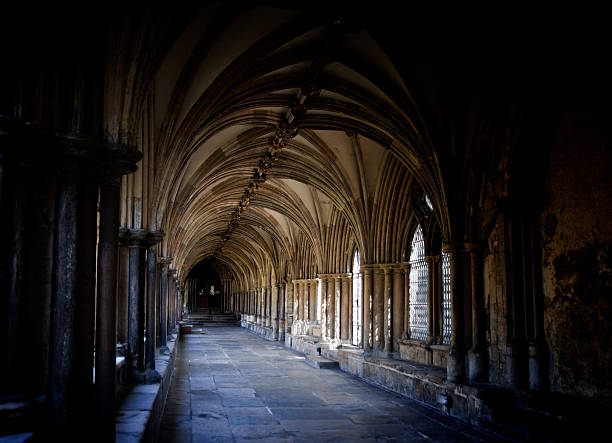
(231, 385)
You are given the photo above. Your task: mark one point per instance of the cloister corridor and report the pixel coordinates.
(232, 385)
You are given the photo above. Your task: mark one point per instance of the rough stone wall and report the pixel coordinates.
(496, 304)
(577, 257)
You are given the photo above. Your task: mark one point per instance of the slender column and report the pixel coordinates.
(73, 309)
(366, 306)
(163, 304)
(296, 301)
(289, 311)
(431, 298)
(136, 304)
(388, 308)
(268, 306)
(274, 310)
(378, 308)
(151, 374)
(106, 309)
(476, 355)
(304, 300)
(331, 307)
(406, 328)
(282, 296)
(398, 306)
(123, 289)
(345, 304)
(312, 304)
(456, 357)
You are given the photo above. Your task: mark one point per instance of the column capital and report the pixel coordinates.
(139, 237)
(164, 261)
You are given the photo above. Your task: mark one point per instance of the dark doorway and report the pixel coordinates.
(208, 286)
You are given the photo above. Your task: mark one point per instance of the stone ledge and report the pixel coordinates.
(139, 414)
(320, 362)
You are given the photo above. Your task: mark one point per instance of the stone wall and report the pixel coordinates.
(496, 304)
(577, 260)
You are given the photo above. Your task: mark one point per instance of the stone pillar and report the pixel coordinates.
(302, 300)
(366, 306)
(268, 306)
(282, 295)
(151, 374)
(476, 356)
(406, 329)
(289, 312)
(296, 301)
(123, 289)
(345, 308)
(164, 262)
(274, 310)
(71, 381)
(171, 298)
(378, 308)
(138, 239)
(312, 304)
(456, 357)
(431, 298)
(331, 306)
(388, 309)
(106, 339)
(398, 306)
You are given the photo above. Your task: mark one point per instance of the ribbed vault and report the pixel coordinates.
(231, 78)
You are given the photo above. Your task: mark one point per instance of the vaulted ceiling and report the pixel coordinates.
(217, 101)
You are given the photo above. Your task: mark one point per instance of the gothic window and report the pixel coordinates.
(418, 288)
(356, 321)
(446, 314)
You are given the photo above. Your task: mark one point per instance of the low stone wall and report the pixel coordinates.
(140, 413)
(414, 351)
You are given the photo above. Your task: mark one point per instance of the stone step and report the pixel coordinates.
(320, 363)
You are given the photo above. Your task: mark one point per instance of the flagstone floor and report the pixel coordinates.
(231, 385)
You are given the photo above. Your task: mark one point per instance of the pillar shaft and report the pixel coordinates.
(456, 357)
(345, 308)
(313, 305)
(331, 307)
(378, 308)
(73, 310)
(274, 310)
(105, 310)
(136, 307)
(367, 308)
(388, 309)
(398, 307)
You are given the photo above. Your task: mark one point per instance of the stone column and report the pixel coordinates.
(106, 339)
(378, 308)
(282, 295)
(398, 306)
(456, 357)
(171, 298)
(268, 306)
(312, 304)
(123, 288)
(289, 312)
(406, 328)
(274, 310)
(302, 301)
(345, 308)
(71, 381)
(296, 301)
(331, 306)
(151, 375)
(366, 306)
(164, 262)
(388, 309)
(477, 356)
(431, 298)
(136, 303)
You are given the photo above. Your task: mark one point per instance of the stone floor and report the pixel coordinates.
(231, 385)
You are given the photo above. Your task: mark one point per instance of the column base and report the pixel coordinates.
(152, 376)
(455, 369)
(164, 350)
(475, 366)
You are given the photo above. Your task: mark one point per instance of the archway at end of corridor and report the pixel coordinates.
(204, 287)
